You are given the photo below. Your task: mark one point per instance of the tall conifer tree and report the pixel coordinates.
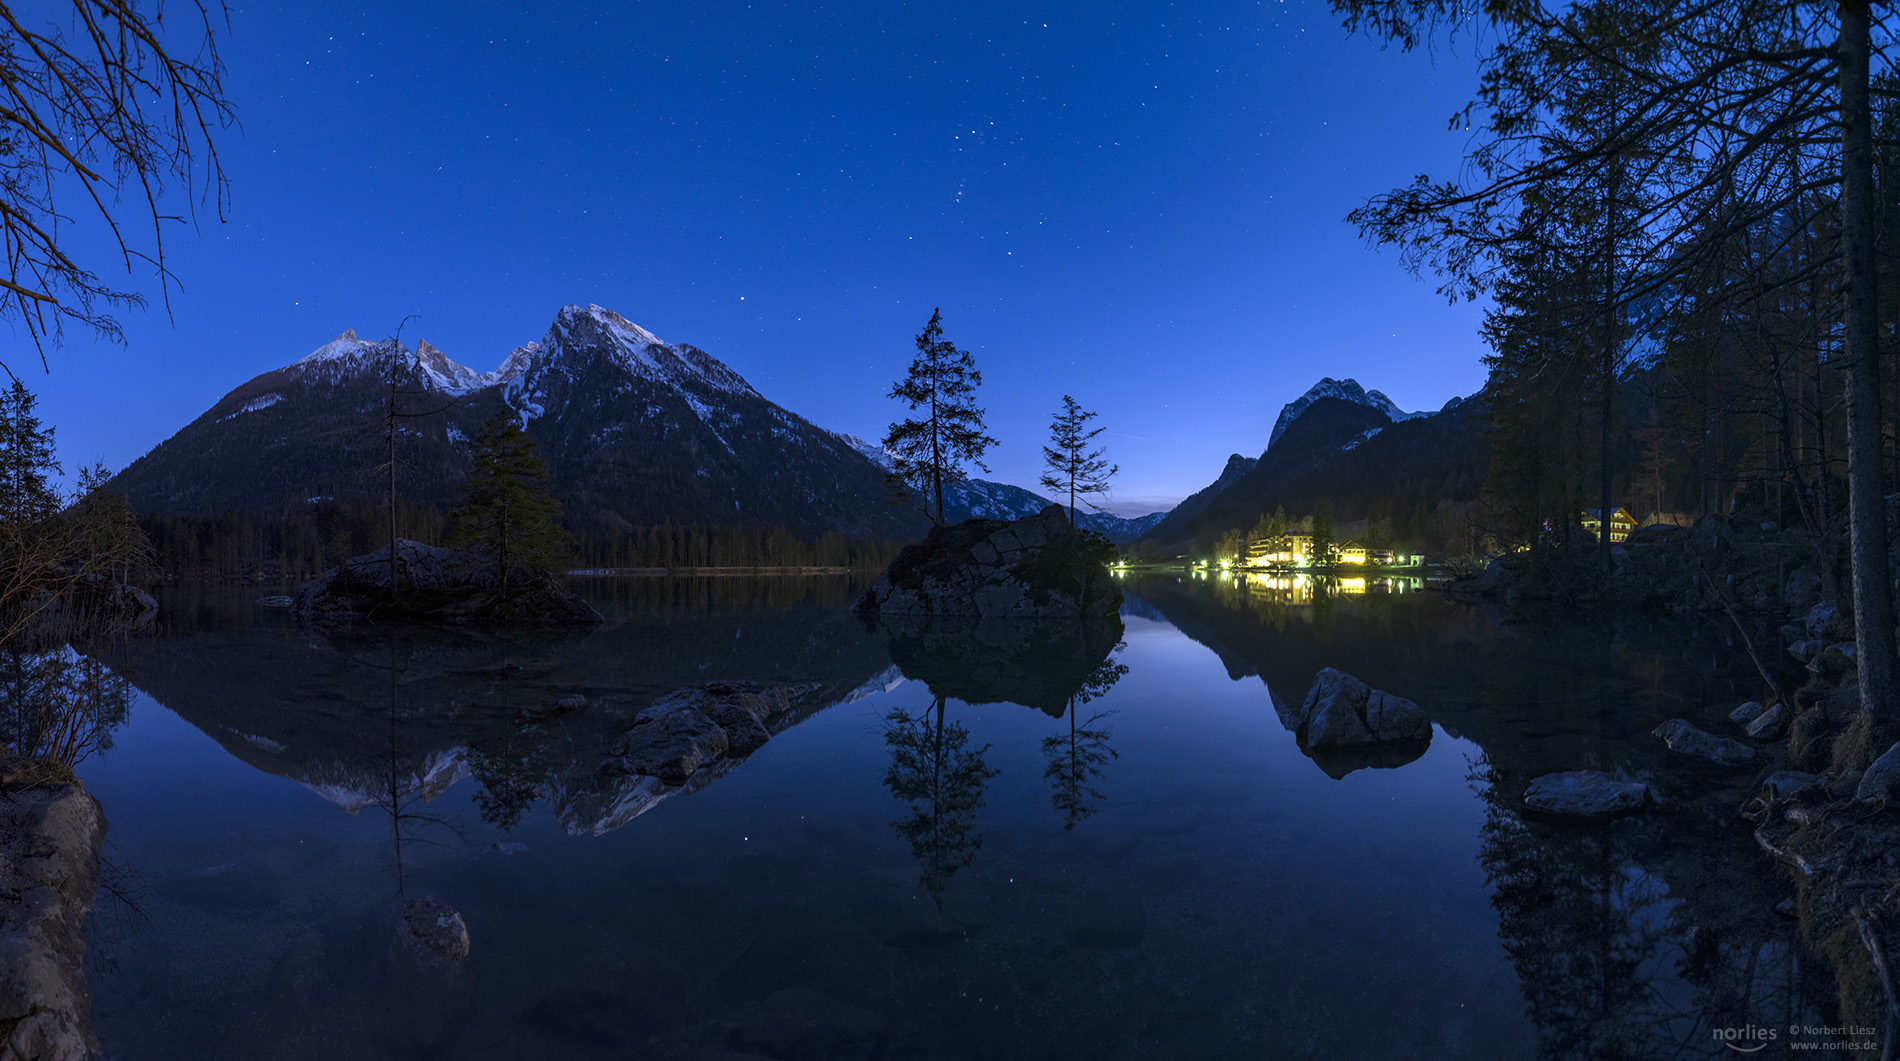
(929, 451)
(1072, 465)
(505, 507)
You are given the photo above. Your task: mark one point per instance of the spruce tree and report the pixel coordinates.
(929, 451)
(504, 506)
(1072, 465)
(27, 462)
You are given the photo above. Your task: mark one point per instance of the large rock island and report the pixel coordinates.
(439, 585)
(1037, 567)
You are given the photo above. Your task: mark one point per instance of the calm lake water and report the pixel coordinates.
(972, 843)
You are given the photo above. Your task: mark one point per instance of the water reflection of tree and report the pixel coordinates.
(942, 778)
(512, 771)
(1617, 959)
(1077, 760)
(60, 705)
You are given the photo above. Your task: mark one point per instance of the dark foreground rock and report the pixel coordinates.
(1037, 567)
(1341, 712)
(687, 730)
(1343, 725)
(1584, 796)
(1691, 743)
(438, 585)
(49, 863)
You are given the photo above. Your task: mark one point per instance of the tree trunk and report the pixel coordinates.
(1878, 663)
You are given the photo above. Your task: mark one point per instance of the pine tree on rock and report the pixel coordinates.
(504, 507)
(1072, 465)
(929, 452)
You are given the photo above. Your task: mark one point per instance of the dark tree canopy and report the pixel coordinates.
(505, 508)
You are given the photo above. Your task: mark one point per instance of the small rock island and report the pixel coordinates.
(1037, 567)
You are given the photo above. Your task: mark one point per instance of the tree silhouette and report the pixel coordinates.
(930, 451)
(1077, 760)
(933, 769)
(114, 109)
(1072, 465)
(505, 508)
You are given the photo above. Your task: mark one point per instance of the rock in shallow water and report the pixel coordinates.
(1691, 743)
(437, 926)
(1585, 795)
(1746, 713)
(1342, 711)
(673, 744)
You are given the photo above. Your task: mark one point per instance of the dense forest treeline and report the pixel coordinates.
(301, 544)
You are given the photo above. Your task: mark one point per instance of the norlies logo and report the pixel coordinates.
(1746, 1039)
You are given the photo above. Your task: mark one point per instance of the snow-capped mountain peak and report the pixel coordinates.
(441, 373)
(597, 329)
(1343, 389)
(345, 347)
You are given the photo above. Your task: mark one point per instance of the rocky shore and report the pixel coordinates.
(50, 835)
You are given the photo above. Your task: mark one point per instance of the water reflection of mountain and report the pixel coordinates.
(1535, 696)
(344, 711)
(1638, 939)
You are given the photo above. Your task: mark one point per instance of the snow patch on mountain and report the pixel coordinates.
(1343, 389)
(1363, 436)
(262, 401)
(872, 452)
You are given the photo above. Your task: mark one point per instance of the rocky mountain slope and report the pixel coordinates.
(636, 431)
(1348, 450)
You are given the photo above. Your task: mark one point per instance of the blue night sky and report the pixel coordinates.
(1141, 205)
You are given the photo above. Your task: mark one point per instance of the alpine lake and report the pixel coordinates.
(969, 841)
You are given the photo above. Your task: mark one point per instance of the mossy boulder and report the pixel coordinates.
(1037, 567)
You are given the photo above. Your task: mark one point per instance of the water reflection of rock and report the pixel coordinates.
(1636, 938)
(1039, 663)
(313, 706)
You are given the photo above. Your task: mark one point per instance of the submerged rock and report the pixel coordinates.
(1691, 743)
(438, 585)
(437, 926)
(1746, 713)
(672, 743)
(1035, 567)
(1585, 795)
(50, 837)
(1341, 711)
